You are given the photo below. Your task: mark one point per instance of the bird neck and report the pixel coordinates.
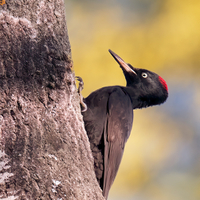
(135, 97)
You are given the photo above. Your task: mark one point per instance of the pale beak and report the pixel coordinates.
(121, 62)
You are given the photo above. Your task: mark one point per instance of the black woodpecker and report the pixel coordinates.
(108, 117)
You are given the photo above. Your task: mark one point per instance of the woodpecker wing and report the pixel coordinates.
(116, 132)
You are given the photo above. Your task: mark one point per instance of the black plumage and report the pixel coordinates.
(109, 117)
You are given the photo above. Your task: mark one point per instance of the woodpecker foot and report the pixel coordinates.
(80, 88)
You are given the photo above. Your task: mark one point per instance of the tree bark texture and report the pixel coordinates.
(44, 149)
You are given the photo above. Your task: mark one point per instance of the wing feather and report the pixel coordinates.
(116, 132)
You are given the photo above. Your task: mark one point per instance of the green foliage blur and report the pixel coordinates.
(162, 156)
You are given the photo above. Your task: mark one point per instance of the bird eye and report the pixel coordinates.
(144, 75)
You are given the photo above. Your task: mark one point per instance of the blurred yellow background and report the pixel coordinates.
(162, 156)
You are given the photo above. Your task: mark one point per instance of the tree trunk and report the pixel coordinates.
(44, 149)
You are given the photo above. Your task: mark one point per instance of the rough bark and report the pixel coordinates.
(44, 150)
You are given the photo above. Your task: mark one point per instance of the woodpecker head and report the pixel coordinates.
(149, 88)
